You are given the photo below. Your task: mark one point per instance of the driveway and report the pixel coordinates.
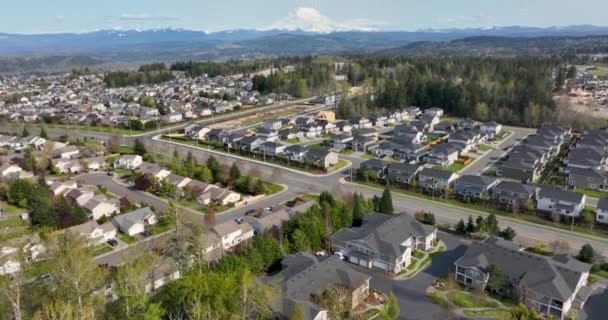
(410, 294)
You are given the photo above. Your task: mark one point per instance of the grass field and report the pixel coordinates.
(10, 210)
(465, 300)
(293, 141)
(273, 188)
(126, 238)
(493, 314)
(11, 223)
(485, 147)
(455, 167)
(437, 299)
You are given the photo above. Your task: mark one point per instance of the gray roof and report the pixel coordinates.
(373, 164)
(602, 204)
(385, 233)
(556, 277)
(516, 187)
(403, 167)
(588, 172)
(476, 180)
(127, 220)
(436, 173)
(559, 194)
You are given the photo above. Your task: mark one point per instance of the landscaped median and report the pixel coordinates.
(473, 209)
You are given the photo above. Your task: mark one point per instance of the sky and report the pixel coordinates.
(53, 16)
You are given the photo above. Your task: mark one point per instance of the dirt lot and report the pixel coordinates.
(590, 109)
(261, 116)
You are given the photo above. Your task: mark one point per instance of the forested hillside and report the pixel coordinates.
(512, 90)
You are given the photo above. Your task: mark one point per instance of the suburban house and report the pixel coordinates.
(322, 158)
(410, 113)
(272, 124)
(410, 152)
(304, 277)
(63, 165)
(7, 171)
(196, 131)
(67, 152)
(560, 201)
(154, 170)
(443, 154)
(130, 162)
(602, 211)
(549, 285)
(590, 178)
(135, 222)
(231, 233)
(100, 208)
(508, 192)
(268, 220)
(474, 186)
(80, 196)
(434, 111)
(340, 141)
(267, 134)
(290, 133)
(467, 124)
(435, 179)
(491, 128)
(295, 152)
(60, 187)
(384, 241)
(403, 173)
(271, 149)
(94, 233)
(373, 167)
(219, 195)
(585, 158)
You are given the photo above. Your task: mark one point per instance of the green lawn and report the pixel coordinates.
(454, 167)
(159, 228)
(273, 188)
(293, 141)
(10, 210)
(312, 197)
(465, 300)
(368, 156)
(11, 223)
(494, 314)
(592, 193)
(601, 273)
(503, 135)
(101, 249)
(126, 238)
(437, 299)
(125, 150)
(346, 152)
(418, 254)
(317, 146)
(484, 147)
(340, 165)
(602, 71)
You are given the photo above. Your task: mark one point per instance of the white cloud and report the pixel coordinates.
(145, 17)
(310, 19)
(464, 21)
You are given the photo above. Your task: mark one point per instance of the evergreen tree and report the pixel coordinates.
(497, 280)
(206, 175)
(461, 227)
(214, 166)
(43, 133)
(470, 225)
(508, 234)
(492, 225)
(358, 212)
(235, 172)
(139, 147)
(386, 202)
(392, 307)
(586, 254)
(25, 132)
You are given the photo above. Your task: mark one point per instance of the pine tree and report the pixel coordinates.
(25, 132)
(139, 147)
(492, 225)
(586, 254)
(470, 225)
(357, 210)
(386, 202)
(461, 227)
(235, 172)
(43, 133)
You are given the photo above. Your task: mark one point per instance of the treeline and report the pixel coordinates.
(510, 90)
(314, 77)
(147, 74)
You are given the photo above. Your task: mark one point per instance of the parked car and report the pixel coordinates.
(239, 220)
(112, 242)
(250, 212)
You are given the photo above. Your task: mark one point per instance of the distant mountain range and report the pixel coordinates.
(131, 46)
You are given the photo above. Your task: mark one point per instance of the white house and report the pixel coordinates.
(135, 222)
(130, 162)
(560, 201)
(491, 128)
(602, 211)
(67, 152)
(99, 208)
(93, 232)
(231, 233)
(8, 170)
(173, 117)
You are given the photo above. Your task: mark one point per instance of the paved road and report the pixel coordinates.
(503, 147)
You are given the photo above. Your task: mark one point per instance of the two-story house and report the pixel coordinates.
(384, 241)
(473, 186)
(231, 233)
(508, 192)
(560, 201)
(436, 180)
(443, 154)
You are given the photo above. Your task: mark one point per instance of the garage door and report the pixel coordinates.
(363, 263)
(354, 260)
(380, 265)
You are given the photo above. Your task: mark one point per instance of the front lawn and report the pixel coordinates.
(125, 150)
(346, 152)
(493, 314)
(465, 300)
(592, 193)
(454, 167)
(127, 238)
(11, 223)
(159, 228)
(437, 299)
(273, 188)
(503, 135)
(341, 164)
(10, 210)
(418, 254)
(317, 146)
(485, 147)
(368, 156)
(293, 141)
(101, 249)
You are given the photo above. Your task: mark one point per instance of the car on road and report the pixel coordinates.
(110, 173)
(112, 242)
(250, 212)
(239, 220)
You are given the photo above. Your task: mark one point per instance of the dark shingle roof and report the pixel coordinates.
(559, 194)
(436, 173)
(476, 180)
